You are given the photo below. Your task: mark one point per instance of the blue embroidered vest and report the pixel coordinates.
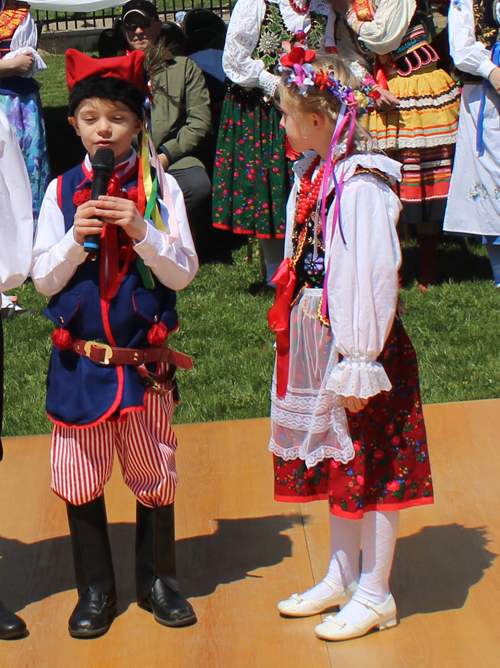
(81, 392)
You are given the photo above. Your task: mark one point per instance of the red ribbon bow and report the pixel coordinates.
(279, 322)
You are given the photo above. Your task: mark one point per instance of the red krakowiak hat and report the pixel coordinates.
(80, 66)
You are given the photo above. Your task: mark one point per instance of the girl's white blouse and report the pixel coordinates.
(363, 271)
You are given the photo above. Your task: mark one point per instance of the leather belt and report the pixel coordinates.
(104, 354)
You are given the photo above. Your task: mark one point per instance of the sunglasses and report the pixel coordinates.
(132, 25)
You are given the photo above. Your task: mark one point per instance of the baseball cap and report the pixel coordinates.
(143, 7)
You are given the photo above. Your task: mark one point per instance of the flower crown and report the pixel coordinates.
(303, 75)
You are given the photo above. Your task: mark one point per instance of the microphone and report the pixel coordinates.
(103, 164)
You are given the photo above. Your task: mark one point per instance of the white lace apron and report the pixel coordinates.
(310, 423)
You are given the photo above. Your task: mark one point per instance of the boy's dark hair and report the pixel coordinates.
(106, 88)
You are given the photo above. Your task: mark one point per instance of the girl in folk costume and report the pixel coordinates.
(474, 202)
(19, 96)
(420, 132)
(251, 174)
(346, 414)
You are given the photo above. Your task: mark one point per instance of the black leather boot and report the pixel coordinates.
(95, 579)
(11, 626)
(157, 586)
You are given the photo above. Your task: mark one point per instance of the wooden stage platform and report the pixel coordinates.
(235, 545)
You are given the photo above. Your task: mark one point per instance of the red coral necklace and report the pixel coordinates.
(297, 8)
(309, 192)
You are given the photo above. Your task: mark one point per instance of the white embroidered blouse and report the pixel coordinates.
(363, 271)
(24, 40)
(385, 32)
(244, 32)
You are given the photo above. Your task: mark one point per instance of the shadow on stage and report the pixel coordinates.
(31, 572)
(433, 569)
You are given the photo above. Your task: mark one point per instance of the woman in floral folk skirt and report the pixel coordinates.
(252, 172)
(347, 423)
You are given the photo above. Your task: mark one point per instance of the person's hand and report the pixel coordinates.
(342, 6)
(21, 64)
(354, 404)
(85, 222)
(494, 79)
(387, 100)
(163, 161)
(121, 212)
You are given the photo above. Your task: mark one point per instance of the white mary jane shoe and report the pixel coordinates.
(382, 616)
(296, 606)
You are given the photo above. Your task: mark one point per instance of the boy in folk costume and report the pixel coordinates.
(111, 380)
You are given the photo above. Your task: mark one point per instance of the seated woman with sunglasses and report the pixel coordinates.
(180, 111)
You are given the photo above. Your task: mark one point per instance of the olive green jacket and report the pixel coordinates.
(181, 122)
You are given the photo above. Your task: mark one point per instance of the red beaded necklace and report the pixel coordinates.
(309, 192)
(297, 8)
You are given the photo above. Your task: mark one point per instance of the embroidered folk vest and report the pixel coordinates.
(274, 32)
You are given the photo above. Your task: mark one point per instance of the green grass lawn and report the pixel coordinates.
(454, 326)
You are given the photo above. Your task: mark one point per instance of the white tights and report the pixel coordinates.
(377, 532)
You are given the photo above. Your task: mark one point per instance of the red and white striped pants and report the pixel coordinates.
(82, 459)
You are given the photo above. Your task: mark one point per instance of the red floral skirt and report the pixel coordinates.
(391, 469)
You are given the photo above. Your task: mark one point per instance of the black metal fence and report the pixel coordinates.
(59, 21)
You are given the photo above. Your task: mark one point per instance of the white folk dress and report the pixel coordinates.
(474, 200)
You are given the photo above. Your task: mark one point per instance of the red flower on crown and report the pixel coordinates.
(297, 56)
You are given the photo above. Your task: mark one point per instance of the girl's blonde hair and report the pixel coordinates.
(323, 101)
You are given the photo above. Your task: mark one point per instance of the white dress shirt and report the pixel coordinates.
(57, 254)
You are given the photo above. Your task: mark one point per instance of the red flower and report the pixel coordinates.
(297, 56)
(157, 334)
(310, 473)
(357, 445)
(61, 338)
(378, 454)
(360, 479)
(389, 428)
(395, 440)
(393, 486)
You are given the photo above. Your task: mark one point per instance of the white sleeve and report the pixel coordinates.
(389, 25)
(173, 261)
(56, 254)
(468, 54)
(16, 215)
(242, 37)
(363, 285)
(25, 40)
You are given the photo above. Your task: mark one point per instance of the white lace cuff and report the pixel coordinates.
(268, 82)
(38, 65)
(358, 378)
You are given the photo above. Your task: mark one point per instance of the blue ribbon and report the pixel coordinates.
(495, 59)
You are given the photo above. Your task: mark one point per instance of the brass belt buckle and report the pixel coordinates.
(108, 353)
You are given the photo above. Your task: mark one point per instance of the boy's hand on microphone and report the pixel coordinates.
(85, 222)
(122, 212)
